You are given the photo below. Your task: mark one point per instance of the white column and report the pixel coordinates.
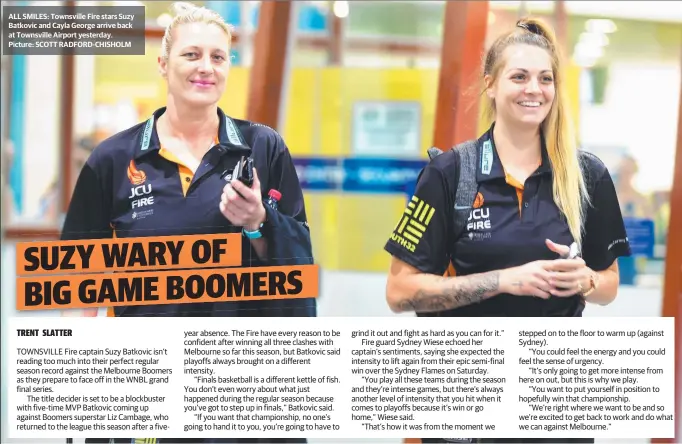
(42, 130)
(84, 100)
(247, 32)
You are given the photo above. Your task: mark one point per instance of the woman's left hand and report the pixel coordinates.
(568, 276)
(246, 210)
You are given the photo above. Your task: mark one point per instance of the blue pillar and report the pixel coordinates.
(310, 18)
(16, 128)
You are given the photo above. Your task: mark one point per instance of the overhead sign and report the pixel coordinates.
(372, 175)
(390, 128)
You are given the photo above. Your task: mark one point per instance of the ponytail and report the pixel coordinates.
(568, 189)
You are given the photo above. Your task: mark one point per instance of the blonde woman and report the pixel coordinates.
(534, 201)
(537, 195)
(174, 174)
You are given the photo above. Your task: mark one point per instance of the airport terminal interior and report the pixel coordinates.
(359, 91)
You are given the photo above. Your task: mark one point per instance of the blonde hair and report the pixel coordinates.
(569, 189)
(185, 12)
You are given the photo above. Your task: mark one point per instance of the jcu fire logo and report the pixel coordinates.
(136, 177)
(478, 202)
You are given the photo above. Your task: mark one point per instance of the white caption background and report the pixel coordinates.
(341, 378)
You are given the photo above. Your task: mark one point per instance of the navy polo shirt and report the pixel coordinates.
(131, 187)
(507, 227)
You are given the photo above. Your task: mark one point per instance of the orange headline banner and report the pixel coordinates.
(167, 287)
(123, 254)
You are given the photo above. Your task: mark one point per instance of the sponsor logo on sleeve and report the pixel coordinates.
(413, 224)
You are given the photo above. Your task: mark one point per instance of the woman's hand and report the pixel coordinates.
(567, 276)
(531, 279)
(543, 279)
(246, 210)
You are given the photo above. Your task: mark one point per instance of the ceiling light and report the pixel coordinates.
(600, 26)
(341, 9)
